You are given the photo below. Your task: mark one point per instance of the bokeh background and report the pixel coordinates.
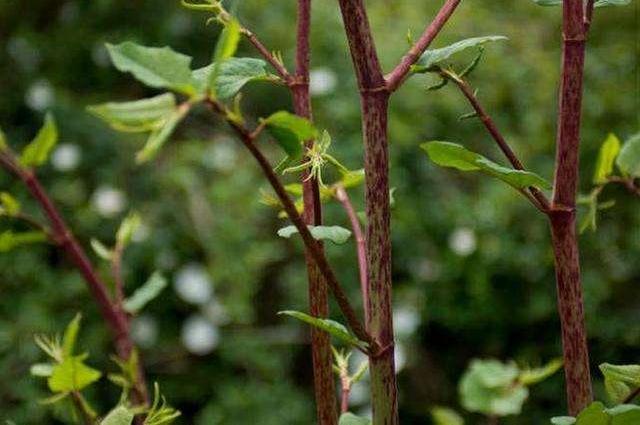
(472, 264)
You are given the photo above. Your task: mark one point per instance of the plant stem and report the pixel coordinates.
(398, 75)
(113, 313)
(310, 243)
(361, 247)
(563, 210)
(541, 200)
(324, 388)
(374, 98)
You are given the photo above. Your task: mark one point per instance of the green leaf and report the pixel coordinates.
(159, 137)
(536, 375)
(9, 205)
(433, 57)
(290, 131)
(72, 375)
(42, 370)
(10, 240)
(3, 140)
(137, 116)
(146, 293)
(625, 414)
(351, 419)
(101, 250)
(333, 328)
(235, 73)
(620, 380)
(153, 66)
(352, 179)
(492, 388)
(457, 156)
(228, 41)
(606, 158)
(127, 228)
(445, 416)
(37, 152)
(629, 158)
(118, 416)
(71, 336)
(336, 234)
(594, 414)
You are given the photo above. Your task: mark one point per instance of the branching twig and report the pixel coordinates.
(267, 55)
(310, 243)
(397, 76)
(540, 200)
(113, 313)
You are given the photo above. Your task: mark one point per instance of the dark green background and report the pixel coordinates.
(496, 302)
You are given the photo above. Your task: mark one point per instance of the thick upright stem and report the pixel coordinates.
(563, 216)
(324, 388)
(374, 102)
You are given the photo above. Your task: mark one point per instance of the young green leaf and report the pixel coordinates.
(620, 380)
(235, 73)
(228, 41)
(137, 116)
(290, 131)
(9, 205)
(37, 152)
(606, 158)
(445, 416)
(153, 66)
(629, 158)
(160, 413)
(159, 137)
(539, 374)
(127, 228)
(10, 240)
(594, 414)
(563, 420)
(351, 419)
(72, 375)
(332, 327)
(70, 336)
(3, 140)
(457, 156)
(146, 293)
(434, 57)
(336, 234)
(101, 250)
(118, 416)
(598, 3)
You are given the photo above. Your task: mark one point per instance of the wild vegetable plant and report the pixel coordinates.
(306, 153)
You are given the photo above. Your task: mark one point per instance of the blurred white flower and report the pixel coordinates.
(405, 320)
(193, 284)
(108, 201)
(66, 157)
(24, 53)
(39, 96)
(222, 155)
(463, 241)
(199, 336)
(322, 81)
(144, 330)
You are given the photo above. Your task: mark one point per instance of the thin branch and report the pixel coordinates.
(540, 200)
(402, 70)
(310, 243)
(628, 183)
(116, 270)
(361, 247)
(113, 313)
(267, 55)
(632, 395)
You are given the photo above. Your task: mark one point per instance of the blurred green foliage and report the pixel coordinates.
(472, 263)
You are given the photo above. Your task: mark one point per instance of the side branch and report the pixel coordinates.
(112, 312)
(400, 72)
(540, 199)
(268, 56)
(310, 243)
